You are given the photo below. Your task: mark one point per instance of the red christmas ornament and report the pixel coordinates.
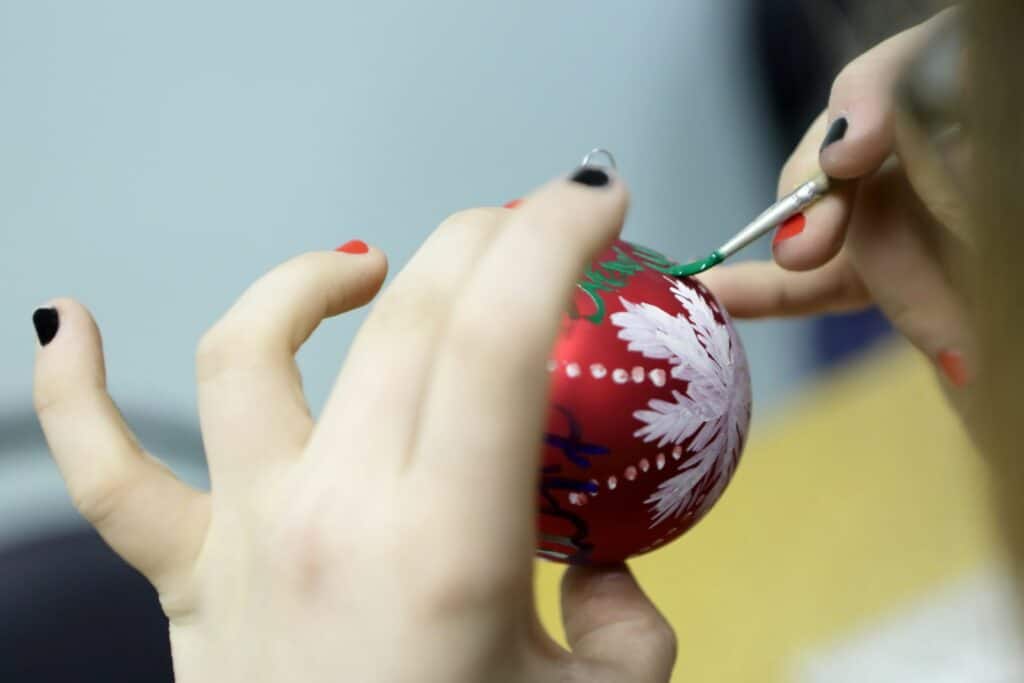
(650, 405)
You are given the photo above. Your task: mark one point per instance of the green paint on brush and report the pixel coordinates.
(688, 269)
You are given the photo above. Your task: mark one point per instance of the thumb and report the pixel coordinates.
(861, 131)
(610, 622)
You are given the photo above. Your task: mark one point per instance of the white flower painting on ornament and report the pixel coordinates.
(714, 411)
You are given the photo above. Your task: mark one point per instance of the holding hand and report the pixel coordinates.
(886, 235)
(392, 540)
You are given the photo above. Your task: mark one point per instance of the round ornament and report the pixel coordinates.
(649, 411)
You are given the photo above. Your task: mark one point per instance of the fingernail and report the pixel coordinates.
(835, 132)
(793, 226)
(591, 177)
(46, 321)
(513, 204)
(952, 365)
(354, 247)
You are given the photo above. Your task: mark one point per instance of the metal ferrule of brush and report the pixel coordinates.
(793, 203)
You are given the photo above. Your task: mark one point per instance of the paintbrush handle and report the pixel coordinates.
(779, 212)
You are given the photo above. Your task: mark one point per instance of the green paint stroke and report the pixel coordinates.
(614, 274)
(688, 269)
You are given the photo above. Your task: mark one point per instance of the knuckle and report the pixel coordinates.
(903, 317)
(449, 583)
(216, 351)
(245, 334)
(654, 635)
(65, 398)
(850, 78)
(304, 550)
(99, 500)
(456, 585)
(45, 397)
(470, 219)
(303, 268)
(419, 309)
(851, 290)
(798, 167)
(786, 174)
(299, 548)
(663, 637)
(474, 337)
(226, 347)
(464, 229)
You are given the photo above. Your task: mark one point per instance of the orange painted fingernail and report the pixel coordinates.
(354, 247)
(793, 226)
(952, 365)
(513, 204)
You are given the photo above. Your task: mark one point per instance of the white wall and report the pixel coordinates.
(156, 157)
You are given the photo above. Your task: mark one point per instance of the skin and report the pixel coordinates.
(890, 233)
(347, 546)
(367, 549)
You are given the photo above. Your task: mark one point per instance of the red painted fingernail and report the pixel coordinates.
(513, 204)
(354, 247)
(952, 365)
(793, 226)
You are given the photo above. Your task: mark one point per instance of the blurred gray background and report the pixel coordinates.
(155, 158)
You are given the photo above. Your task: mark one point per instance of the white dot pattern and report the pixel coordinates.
(637, 374)
(631, 472)
(577, 498)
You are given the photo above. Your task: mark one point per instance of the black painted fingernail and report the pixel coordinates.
(835, 132)
(46, 322)
(590, 176)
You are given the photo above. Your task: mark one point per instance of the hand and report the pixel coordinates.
(887, 235)
(392, 539)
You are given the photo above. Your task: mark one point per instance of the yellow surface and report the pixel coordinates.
(862, 496)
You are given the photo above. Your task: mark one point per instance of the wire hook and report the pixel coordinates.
(597, 151)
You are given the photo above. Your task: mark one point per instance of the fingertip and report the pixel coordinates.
(861, 151)
(378, 260)
(72, 353)
(600, 179)
(609, 619)
(366, 256)
(581, 211)
(360, 248)
(859, 135)
(60, 320)
(811, 239)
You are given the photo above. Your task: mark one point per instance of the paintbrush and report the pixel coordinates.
(927, 91)
(776, 214)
